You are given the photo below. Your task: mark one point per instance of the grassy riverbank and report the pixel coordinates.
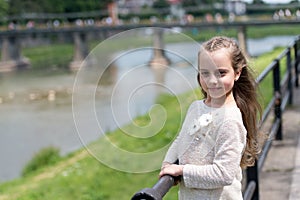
(81, 176)
(251, 32)
(60, 55)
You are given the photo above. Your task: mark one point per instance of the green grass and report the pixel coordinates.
(266, 86)
(52, 56)
(251, 32)
(259, 32)
(81, 176)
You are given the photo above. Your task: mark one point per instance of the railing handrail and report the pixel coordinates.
(252, 189)
(265, 72)
(158, 191)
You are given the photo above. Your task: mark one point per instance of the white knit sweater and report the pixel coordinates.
(210, 145)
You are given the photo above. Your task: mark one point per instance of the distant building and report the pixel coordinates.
(237, 7)
(128, 6)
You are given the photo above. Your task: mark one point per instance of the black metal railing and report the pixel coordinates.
(283, 95)
(158, 191)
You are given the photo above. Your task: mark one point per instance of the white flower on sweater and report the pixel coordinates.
(202, 121)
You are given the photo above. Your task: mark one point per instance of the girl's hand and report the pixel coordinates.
(171, 169)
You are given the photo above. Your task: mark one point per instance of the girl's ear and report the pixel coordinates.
(238, 74)
(198, 78)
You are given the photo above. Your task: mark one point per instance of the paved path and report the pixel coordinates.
(280, 175)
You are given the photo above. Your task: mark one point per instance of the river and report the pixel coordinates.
(36, 106)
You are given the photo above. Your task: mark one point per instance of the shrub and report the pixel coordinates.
(45, 157)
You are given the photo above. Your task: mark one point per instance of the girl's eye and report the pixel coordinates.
(205, 74)
(221, 73)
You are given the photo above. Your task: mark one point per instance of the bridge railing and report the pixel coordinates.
(283, 95)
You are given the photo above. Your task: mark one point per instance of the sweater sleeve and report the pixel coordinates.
(173, 152)
(230, 143)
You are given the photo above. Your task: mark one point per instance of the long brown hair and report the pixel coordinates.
(244, 92)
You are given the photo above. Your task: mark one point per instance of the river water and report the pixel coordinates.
(36, 106)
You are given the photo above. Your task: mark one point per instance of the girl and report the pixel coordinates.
(219, 134)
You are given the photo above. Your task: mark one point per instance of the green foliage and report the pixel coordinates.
(161, 4)
(45, 157)
(3, 8)
(188, 3)
(87, 5)
(17, 7)
(258, 2)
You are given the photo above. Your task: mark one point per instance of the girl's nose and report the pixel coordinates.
(213, 79)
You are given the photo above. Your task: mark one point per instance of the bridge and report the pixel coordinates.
(11, 55)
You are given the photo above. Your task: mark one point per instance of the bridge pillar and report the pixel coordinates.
(11, 54)
(159, 58)
(242, 39)
(80, 50)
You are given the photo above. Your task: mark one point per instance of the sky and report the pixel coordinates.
(271, 1)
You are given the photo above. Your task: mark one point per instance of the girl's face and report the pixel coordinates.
(216, 73)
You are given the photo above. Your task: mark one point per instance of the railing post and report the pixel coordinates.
(252, 175)
(297, 57)
(159, 58)
(277, 94)
(242, 39)
(289, 71)
(80, 50)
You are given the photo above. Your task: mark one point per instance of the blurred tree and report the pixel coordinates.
(3, 8)
(208, 2)
(34, 6)
(103, 3)
(16, 7)
(258, 2)
(87, 5)
(188, 3)
(161, 4)
(53, 6)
